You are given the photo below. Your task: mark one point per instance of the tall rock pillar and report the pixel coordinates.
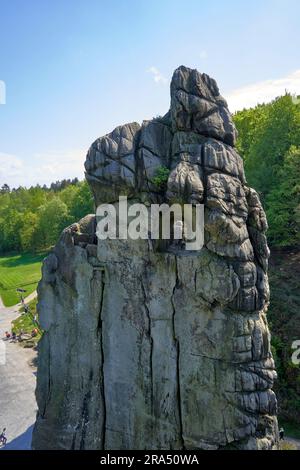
(148, 345)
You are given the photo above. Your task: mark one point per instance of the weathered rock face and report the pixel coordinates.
(151, 346)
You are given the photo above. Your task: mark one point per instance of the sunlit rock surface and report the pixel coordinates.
(148, 345)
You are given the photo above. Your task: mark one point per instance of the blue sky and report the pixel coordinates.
(74, 70)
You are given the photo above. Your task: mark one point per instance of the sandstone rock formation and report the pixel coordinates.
(151, 346)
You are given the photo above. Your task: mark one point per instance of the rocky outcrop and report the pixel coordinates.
(148, 345)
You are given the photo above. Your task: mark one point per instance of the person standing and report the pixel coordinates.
(281, 434)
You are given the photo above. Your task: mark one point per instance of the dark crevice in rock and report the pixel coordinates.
(149, 334)
(177, 344)
(101, 339)
(206, 98)
(74, 441)
(179, 394)
(138, 162)
(119, 161)
(204, 172)
(211, 169)
(145, 147)
(209, 113)
(85, 413)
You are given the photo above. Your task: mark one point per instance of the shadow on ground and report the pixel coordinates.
(22, 442)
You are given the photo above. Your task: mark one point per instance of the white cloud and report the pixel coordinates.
(203, 54)
(11, 168)
(42, 168)
(157, 76)
(58, 165)
(263, 92)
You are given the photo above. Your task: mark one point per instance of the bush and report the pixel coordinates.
(160, 178)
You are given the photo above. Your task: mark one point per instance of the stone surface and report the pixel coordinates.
(148, 345)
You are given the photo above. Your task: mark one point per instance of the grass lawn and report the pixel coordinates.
(19, 271)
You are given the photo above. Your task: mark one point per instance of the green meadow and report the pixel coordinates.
(21, 271)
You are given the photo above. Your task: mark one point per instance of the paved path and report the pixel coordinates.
(27, 300)
(17, 386)
(30, 297)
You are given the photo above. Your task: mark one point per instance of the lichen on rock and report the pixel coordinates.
(151, 346)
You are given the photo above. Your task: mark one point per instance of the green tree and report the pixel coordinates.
(265, 135)
(283, 202)
(269, 142)
(32, 219)
(27, 231)
(53, 217)
(11, 223)
(82, 202)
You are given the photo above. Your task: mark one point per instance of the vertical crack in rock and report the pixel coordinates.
(176, 340)
(138, 164)
(48, 396)
(151, 342)
(204, 170)
(85, 413)
(101, 339)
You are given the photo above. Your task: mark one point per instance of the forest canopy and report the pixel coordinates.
(269, 142)
(32, 219)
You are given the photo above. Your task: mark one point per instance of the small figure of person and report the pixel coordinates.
(3, 438)
(281, 434)
(14, 336)
(7, 335)
(20, 336)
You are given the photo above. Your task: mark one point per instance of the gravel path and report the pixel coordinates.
(17, 386)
